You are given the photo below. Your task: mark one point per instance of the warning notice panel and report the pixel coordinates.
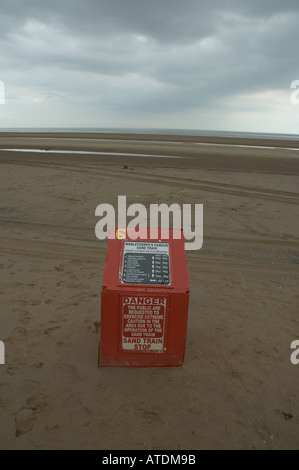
(143, 323)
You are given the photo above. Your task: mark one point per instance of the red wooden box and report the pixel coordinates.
(144, 302)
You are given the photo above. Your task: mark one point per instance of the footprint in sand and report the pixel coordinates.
(24, 421)
(7, 398)
(84, 416)
(97, 326)
(14, 367)
(51, 329)
(81, 414)
(59, 268)
(16, 349)
(18, 334)
(24, 316)
(26, 416)
(69, 371)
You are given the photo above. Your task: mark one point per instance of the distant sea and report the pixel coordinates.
(190, 132)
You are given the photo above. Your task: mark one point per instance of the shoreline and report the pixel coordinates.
(252, 141)
(220, 154)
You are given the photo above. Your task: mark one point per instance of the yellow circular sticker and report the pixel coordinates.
(121, 233)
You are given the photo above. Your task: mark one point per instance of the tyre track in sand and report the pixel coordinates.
(208, 186)
(93, 254)
(83, 234)
(77, 241)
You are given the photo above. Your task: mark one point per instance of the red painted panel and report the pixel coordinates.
(144, 302)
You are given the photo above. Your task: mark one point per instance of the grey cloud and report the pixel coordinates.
(168, 20)
(137, 56)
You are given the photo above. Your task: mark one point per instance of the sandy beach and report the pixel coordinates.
(237, 388)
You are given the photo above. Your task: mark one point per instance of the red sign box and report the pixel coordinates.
(144, 302)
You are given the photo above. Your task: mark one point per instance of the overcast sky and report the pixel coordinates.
(188, 64)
